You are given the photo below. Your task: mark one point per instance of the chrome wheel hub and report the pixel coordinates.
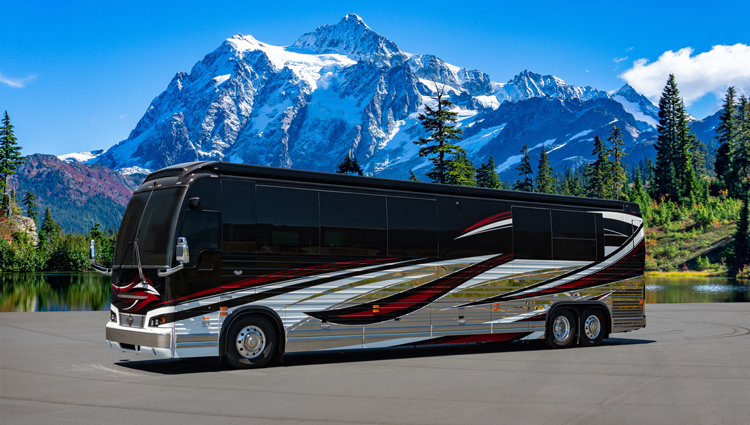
(250, 342)
(561, 328)
(592, 327)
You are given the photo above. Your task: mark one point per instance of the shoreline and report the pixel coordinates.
(689, 273)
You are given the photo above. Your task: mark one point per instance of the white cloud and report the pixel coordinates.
(708, 72)
(618, 60)
(16, 82)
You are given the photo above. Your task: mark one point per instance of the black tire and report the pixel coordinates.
(593, 327)
(561, 332)
(251, 342)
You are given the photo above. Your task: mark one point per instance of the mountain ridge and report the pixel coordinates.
(343, 88)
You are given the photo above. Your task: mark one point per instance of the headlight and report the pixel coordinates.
(156, 321)
(112, 316)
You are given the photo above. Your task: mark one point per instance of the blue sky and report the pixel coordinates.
(78, 76)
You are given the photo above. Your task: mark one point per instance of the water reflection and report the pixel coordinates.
(90, 291)
(54, 292)
(695, 290)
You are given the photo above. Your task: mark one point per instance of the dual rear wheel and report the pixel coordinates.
(564, 328)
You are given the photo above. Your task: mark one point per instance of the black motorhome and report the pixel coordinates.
(248, 262)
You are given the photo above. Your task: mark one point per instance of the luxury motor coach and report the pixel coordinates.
(242, 262)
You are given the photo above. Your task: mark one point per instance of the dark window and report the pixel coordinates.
(532, 233)
(157, 225)
(352, 224)
(574, 236)
(616, 232)
(287, 220)
(130, 221)
(412, 227)
(239, 216)
(201, 225)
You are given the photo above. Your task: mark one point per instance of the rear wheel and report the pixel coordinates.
(592, 327)
(562, 329)
(251, 342)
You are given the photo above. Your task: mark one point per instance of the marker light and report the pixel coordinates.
(112, 316)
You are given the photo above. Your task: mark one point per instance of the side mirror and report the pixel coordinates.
(92, 259)
(182, 252)
(194, 203)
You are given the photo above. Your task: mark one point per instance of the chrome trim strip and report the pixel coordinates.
(139, 338)
(197, 338)
(197, 344)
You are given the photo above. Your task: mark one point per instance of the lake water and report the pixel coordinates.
(90, 291)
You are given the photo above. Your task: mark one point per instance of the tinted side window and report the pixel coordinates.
(239, 216)
(412, 227)
(201, 225)
(574, 236)
(352, 224)
(532, 233)
(287, 220)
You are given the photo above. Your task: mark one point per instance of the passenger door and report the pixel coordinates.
(196, 292)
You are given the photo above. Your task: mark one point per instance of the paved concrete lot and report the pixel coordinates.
(690, 366)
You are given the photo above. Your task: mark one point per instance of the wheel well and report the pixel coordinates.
(247, 311)
(578, 309)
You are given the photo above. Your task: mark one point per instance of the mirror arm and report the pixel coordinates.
(167, 272)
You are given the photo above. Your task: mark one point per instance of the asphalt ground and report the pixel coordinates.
(691, 365)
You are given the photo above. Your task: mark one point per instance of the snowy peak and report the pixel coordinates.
(528, 84)
(638, 105)
(353, 37)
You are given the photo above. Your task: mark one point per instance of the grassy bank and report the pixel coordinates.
(689, 247)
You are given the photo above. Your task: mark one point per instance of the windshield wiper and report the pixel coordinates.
(138, 258)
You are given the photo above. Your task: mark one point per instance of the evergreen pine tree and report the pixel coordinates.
(487, 176)
(637, 187)
(29, 201)
(726, 133)
(440, 125)
(10, 159)
(545, 181)
(461, 170)
(524, 169)
(349, 165)
(49, 228)
(741, 155)
(667, 144)
(617, 171)
(648, 173)
(356, 169)
(740, 257)
(412, 176)
(598, 173)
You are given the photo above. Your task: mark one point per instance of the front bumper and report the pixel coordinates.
(132, 337)
(151, 342)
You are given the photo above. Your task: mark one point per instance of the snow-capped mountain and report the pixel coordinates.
(345, 88)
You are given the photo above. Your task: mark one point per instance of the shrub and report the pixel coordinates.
(68, 252)
(703, 263)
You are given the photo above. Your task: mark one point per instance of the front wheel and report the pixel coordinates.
(562, 330)
(251, 342)
(592, 327)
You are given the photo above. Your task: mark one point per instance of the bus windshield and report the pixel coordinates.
(148, 222)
